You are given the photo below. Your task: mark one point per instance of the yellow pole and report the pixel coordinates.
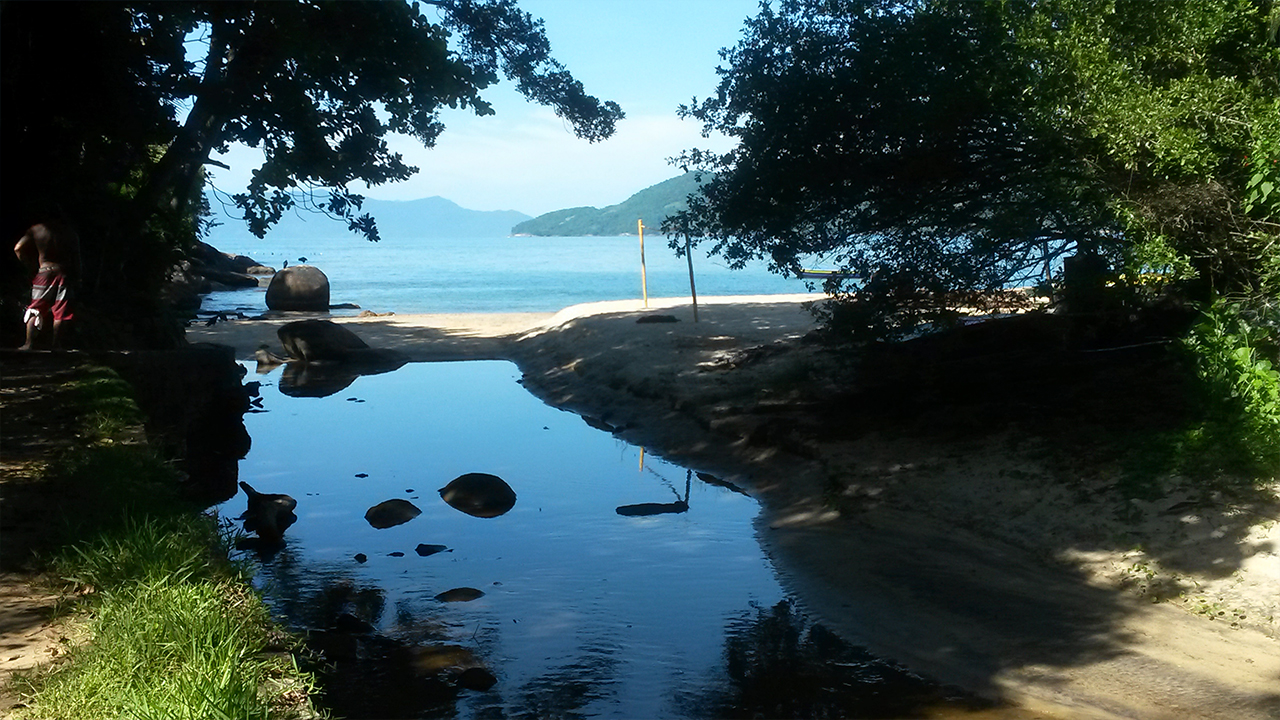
(693, 291)
(644, 282)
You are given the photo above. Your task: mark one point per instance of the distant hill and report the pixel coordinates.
(652, 204)
(425, 218)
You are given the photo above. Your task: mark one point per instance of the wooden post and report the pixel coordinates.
(693, 291)
(644, 282)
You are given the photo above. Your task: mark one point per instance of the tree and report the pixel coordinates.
(937, 149)
(94, 95)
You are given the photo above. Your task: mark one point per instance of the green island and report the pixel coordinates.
(654, 204)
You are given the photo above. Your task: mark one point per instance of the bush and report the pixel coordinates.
(1236, 349)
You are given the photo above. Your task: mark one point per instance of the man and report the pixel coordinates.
(53, 251)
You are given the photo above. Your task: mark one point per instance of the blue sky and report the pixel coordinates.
(647, 55)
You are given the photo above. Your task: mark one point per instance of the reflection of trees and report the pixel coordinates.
(362, 674)
(565, 692)
(781, 665)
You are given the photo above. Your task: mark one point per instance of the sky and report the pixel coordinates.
(649, 56)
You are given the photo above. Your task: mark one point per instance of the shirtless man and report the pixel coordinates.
(51, 251)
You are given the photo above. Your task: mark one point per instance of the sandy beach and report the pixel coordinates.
(973, 561)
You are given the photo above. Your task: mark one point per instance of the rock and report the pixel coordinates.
(391, 513)
(268, 514)
(319, 341)
(426, 550)
(267, 360)
(361, 558)
(301, 287)
(645, 509)
(479, 495)
(476, 678)
(349, 623)
(462, 594)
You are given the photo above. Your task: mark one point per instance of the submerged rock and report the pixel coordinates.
(645, 509)
(476, 678)
(462, 594)
(479, 495)
(391, 513)
(424, 549)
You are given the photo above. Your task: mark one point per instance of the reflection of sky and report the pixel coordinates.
(636, 606)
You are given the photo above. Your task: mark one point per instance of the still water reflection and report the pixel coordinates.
(575, 602)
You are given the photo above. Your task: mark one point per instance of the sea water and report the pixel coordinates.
(489, 275)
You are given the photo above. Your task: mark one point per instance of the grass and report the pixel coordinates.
(172, 629)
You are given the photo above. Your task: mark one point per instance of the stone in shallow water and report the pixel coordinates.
(476, 678)
(479, 495)
(462, 594)
(391, 513)
(268, 514)
(424, 549)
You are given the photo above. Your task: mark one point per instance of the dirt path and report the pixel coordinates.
(36, 427)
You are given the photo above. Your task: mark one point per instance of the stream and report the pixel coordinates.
(618, 585)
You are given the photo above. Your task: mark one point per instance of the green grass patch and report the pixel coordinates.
(162, 648)
(173, 629)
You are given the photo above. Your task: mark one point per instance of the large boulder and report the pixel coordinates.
(326, 357)
(300, 287)
(319, 340)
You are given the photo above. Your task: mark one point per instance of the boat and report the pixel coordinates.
(827, 275)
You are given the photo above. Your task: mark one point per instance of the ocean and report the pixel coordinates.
(491, 275)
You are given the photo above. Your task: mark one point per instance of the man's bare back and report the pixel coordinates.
(50, 244)
(51, 253)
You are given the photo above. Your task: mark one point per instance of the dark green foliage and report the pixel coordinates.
(92, 132)
(653, 205)
(1237, 355)
(936, 148)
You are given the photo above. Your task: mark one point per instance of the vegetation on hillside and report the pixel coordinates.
(653, 205)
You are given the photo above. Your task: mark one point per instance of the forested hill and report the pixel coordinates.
(423, 218)
(651, 205)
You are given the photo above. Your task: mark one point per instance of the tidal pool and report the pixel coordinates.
(618, 585)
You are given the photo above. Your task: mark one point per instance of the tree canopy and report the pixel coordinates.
(112, 110)
(934, 147)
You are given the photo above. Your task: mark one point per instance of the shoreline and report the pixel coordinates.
(960, 559)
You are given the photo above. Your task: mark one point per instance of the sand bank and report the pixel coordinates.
(970, 561)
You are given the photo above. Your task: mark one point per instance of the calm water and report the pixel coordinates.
(585, 612)
(506, 274)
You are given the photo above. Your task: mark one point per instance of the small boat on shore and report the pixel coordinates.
(826, 274)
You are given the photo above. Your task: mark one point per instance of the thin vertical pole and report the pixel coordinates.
(693, 291)
(644, 282)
